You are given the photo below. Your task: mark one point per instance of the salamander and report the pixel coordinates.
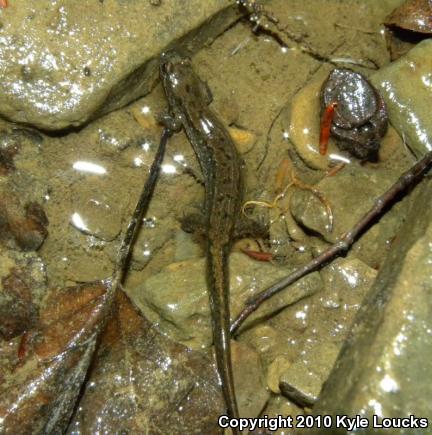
(188, 99)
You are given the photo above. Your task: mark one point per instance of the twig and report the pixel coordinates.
(406, 180)
(139, 212)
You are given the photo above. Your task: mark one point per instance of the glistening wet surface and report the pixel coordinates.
(265, 88)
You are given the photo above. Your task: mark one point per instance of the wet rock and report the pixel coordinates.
(66, 62)
(383, 366)
(244, 139)
(301, 345)
(25, 222)
(251, 391)
(302, 382)
(280, 406)
(360, 120)
(176, 298)
(407, 25)
(274, 372)
(346, 283)
(22, 285)
(304, 125)
(406, 88)
(351, 193)
(277, 345)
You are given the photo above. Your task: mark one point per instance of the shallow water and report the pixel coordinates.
(89, 181)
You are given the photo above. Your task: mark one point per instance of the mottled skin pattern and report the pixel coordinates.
(188, 99)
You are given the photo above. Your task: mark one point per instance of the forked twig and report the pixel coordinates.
(406, 180)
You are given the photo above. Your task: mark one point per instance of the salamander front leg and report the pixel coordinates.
(170, 122)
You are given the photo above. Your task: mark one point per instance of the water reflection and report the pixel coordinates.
(92, 168)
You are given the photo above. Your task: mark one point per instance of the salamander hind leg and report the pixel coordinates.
(246, 227)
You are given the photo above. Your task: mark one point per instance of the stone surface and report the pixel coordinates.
(361, 186)
(276, 368)
(251, 392)
(406, 86)
(304, 126)
(177, 299)
(277, 406)
(302, 381)
(66, 62)
(300, 347)
(386, 360)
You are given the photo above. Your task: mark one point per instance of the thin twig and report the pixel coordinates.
(139, 212)
(406, 180)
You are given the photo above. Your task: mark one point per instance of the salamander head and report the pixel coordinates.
(179, 79)
(173, 70)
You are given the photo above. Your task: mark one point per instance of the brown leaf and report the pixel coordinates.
(142, 382)
(38, 392)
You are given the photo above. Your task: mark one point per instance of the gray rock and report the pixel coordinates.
(252, 394)
(177, 299)
(407, 90)
(361, 186)
(385, 366)
(279, 406)
(303, 380)
(323, 321)
(66, 62)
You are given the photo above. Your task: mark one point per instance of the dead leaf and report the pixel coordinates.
(38, 392)
(142, 382)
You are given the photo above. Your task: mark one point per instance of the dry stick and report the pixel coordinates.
(138, 214)
(408, 179)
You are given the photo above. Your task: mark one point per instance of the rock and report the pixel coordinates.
(249, 381)
(304, 126)
(383, 367)
(280, 406)
(302, 382)
(22, 286)
(274, 372)
(407, 25)
(276, 345)
(406, 87)
(351, 193)
(64, 63)
(346, 280)
(176, 298)
(300, 347)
